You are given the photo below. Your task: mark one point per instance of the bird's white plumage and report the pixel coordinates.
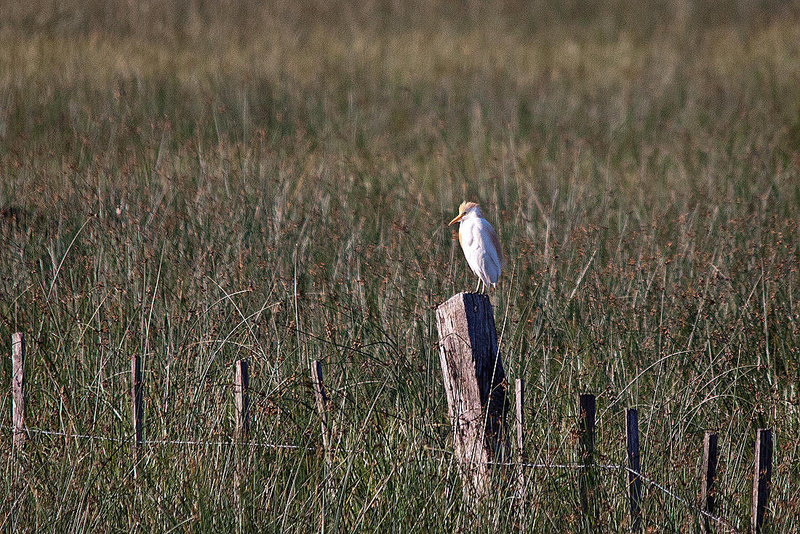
(478, 249)
(479, 243)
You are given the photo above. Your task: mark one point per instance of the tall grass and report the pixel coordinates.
(200, 182)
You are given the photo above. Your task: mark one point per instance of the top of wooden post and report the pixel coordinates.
(470, 317)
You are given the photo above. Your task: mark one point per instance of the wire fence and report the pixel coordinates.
(261, 444)
(155, 442)
(240, 439)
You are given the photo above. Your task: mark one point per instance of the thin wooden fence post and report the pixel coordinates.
(519, 397)
(138, 412)
(321, 398)
(474, 382)
(519, 390)
(18, 388)
(707, 490)
(586, 475)
(241, 385)
(634, 480)
(762, 477)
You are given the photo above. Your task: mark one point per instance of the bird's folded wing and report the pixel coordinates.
(485, 243)
(496, 243)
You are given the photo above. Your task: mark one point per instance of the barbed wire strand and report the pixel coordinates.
(545, 466)
(164, 441)
(614, 467)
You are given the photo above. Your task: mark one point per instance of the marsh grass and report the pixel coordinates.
(203, 182)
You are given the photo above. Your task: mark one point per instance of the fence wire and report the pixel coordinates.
(262, 444)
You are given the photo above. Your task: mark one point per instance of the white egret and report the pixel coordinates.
(480, 244)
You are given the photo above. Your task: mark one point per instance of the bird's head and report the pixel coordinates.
(465, 209)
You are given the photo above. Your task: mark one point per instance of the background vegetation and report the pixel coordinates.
(199, 182)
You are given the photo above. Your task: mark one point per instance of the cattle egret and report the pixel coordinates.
(480, 244)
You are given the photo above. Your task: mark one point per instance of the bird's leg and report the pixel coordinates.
(478, 287)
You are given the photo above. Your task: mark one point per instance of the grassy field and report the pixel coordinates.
(199, 182)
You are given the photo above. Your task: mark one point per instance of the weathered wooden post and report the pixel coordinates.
(519, 391)
(634, 481)
(240, 386)
(321, 398)
(519, 397)
(707, 490)
(18, 388)
(137, 409)
(474, 381)
(762, 477)
(586, 475)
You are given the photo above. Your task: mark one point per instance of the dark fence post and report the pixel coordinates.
(707, 490)
(586, 476)
(762, 477)
(634, 481)
(138, 410)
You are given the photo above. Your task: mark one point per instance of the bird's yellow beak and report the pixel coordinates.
(456, 219)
